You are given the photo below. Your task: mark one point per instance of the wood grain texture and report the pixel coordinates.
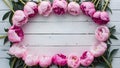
(60, 34)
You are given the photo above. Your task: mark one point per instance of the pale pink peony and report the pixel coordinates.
(87, 58)
(45, 8)
(74, 8)
(73, 61)
(102, 33)
(15, 34)
(30, 9)
(59, 59)
(19, 18)
(98, 49)
(18, 50)
(31, 60)
(101, 18)
(88, 8)
(45, 61)
(59, 7)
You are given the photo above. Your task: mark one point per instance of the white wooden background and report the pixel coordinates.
(60, 34)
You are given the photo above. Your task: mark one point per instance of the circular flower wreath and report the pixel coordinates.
(22, 10)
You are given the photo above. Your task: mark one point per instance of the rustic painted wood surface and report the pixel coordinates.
(60, 34)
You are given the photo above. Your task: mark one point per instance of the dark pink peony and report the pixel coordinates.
(87, 58)
(31, 9)
(15, 34)
(101, 18)
(59, 59)
(88, 8)
(59, 7)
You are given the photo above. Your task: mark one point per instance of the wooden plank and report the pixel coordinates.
(63, 27)
(62, 40)
(55, 49)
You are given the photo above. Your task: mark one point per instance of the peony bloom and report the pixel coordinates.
(59, 59)
(73, 61)
(19, 18)
(102, 33)
(45, 61)
(88, 8)
(59, 7)
(98, 49)
(31, 9)
(18, 50)
(74, 8)
(31, 60)
(101, 18)
(15, 34)
(45, 8)
(87, 58)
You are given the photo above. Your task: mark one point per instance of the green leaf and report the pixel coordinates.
(112, 31)
(6, 15)
(109, 41)
(52, 1)
(1, 37)
(108, 9)
(10, 18)
(113, 37)
(112, 53)
(6, 30)
(6, 40)
(113, 27)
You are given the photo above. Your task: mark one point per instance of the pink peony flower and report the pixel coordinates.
(31, 60)
(101, 18)
(74, 8)
(98, 49)
(87, 58)
(59, 7)
(31, 9)
(45, 61)
(18, 50)
(45, 8)
(73, 61)
(102, 33)
(15, 34)
(19, 18)
(88, 8)
(59, 59)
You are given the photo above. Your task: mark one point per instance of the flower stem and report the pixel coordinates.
(94, 1)
(1, 37)
(22, 2)
(8, 6)
(59, 66)
(110, 66)
(97, 3)
(12, 66)
(39, 1)
(93, 66)
(25, 66)
(106, 4)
